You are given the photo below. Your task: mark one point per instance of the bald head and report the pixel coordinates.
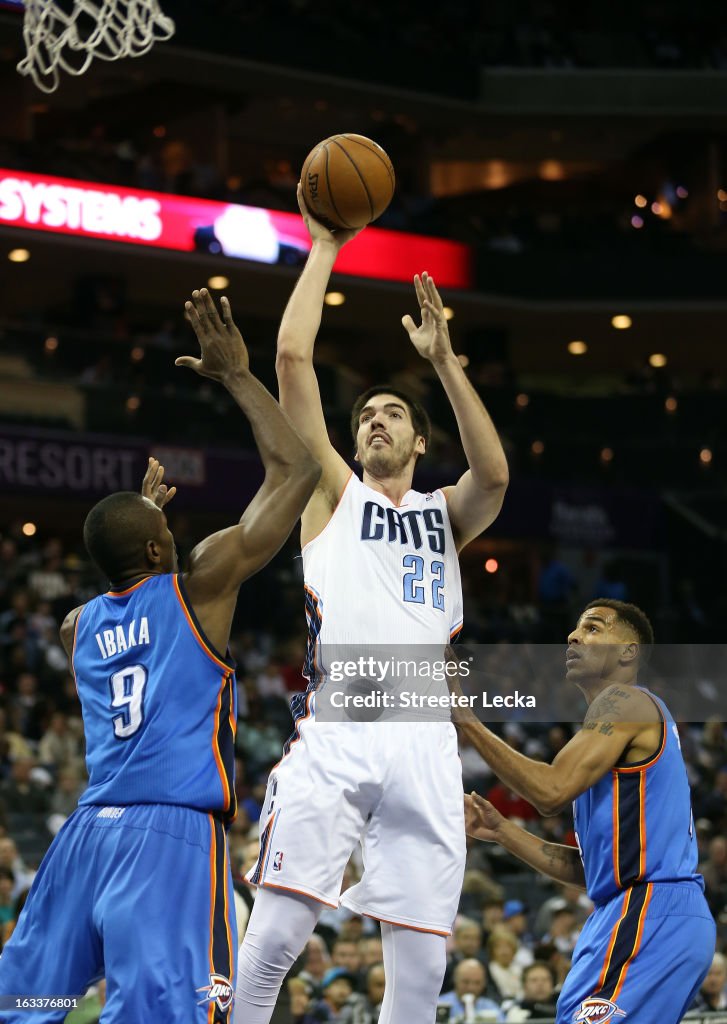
(470, 978)
(127, 534)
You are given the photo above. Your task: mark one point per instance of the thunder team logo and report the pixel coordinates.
(219, 991)
(597, 1011)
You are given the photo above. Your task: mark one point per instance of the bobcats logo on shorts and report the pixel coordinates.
(597, 1011)
(218, 991)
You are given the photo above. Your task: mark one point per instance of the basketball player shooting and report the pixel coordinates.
(647, 946)
(137, 885)
(380, 565)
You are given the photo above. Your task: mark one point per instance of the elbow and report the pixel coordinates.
(551, 804)
(307, 470)
(500, 478)
(288, 354)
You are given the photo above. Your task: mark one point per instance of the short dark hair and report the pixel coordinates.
(419, 416)
(543, 965)
(116, 532)
(629, 613)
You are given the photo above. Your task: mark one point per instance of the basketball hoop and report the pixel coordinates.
(68, 40)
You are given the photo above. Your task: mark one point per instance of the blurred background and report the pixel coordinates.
(576, 155)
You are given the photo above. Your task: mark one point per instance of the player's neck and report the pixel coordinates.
(392, 487)
(128, 579)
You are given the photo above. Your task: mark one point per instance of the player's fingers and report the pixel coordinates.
(170, 494)
(301, 201)
(408, 324)
(430, 310)
(189, 361)
(192, 317)
(227, 312)
(419, 288)
(211, 309)
(433, 295)
(199, 308)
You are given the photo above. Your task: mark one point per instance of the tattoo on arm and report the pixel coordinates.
(562, 861)
(606, 728)
(608, 705)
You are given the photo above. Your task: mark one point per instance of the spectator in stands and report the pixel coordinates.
(467, 939)
(345, 953)
(568, 895)
(337, 987)
(316, 961)
(69, 787)
(7, 903)
(11, 859)
(564, 931)
(711, 997)
(539, 997)
(714, 870)
(470, 981)
(20, 793)
(371, 951)
(299, 993)
(365, 1009)
(514, 918)
(58, 745)
(506, 974)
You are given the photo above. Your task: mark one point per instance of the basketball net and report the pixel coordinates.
(68, 40)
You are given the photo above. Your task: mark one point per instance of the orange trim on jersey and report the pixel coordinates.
(232, 716)
(612, 943)
(455, 632)
(192, 626)
(652, 761)
(637, 944)
(298, 892)
(615, 830)
(642, 827)
(333, 512)
(216, 746)
(305, 718)
(73, 647)
(411, 927)
(213, 890)
(231, 951)
(123, 593)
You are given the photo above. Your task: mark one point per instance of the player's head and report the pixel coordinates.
(390, 429)
(608, 643)
(127, 535)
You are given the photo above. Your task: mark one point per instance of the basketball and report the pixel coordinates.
(348, 181)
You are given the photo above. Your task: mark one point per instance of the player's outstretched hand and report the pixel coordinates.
(481, 820)
(222, 348)
(319, 232)
(152, 486)
(431, 338)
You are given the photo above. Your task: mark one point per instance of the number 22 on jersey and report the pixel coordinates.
(415, 590)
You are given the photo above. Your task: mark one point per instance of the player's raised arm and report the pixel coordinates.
(299, 393)
(219, 564)
(614, 720)
(476, 499)
(483, 821)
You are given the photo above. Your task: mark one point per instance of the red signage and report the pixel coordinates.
(89, 210)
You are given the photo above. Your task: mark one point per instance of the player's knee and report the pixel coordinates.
(268, 954)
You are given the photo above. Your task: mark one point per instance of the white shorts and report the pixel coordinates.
(396, 787)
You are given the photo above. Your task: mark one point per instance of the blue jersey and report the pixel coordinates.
(159, 704)
(635, 824)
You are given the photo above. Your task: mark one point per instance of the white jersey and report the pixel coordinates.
(380, 573)
(377, 574)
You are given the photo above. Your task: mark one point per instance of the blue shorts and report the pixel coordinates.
(140, 895)
(640, 957)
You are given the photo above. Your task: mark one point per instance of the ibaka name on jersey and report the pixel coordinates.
(121, 638)
(412, 528)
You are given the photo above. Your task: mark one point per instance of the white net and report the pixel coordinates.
(67, 36)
